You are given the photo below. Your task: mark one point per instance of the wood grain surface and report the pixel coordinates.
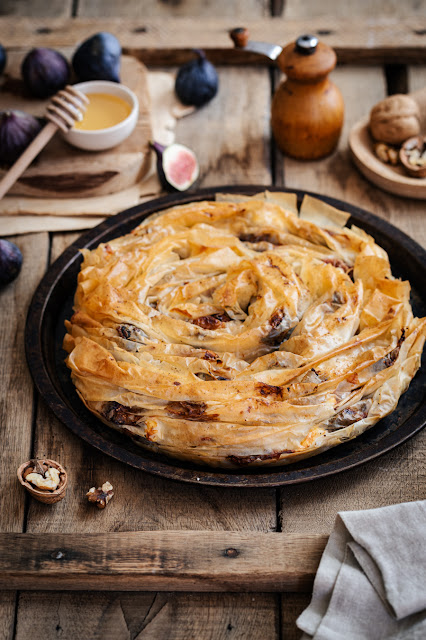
(389, 9)
(17, 400)
(157, 41)
(168, 8)
(288, 9)
(237, 148)
(160, 560)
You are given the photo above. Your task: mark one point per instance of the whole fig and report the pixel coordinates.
(10, 261)
(44, 72)
(3, 58)
(17, 130)
(98, 58)
(197, 81)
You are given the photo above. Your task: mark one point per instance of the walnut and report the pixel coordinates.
(395, 119)
(386, 153)
(46, 480)
(100, 496)
(49, 481)
(413, 156)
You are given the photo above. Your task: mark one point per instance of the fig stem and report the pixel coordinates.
(200, 53)
(158, 148)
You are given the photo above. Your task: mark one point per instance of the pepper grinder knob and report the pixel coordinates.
(240, 37)
(306, 44)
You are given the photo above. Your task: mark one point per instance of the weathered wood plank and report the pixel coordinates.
(8, 603)
(16, 398)
(161, 41)
(296, 9)
(149, 616)
(292, 605)
(36, 8)
(416, 78)
(234, 145)
(16, 405)
(160, 560)
(170, 8)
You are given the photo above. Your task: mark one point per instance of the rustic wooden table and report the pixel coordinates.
(232, 140)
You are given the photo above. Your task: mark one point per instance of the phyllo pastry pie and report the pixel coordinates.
(240, 332)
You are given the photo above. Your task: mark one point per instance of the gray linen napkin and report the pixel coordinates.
(371, 581)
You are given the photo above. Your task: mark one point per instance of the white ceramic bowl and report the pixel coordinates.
(105, 138)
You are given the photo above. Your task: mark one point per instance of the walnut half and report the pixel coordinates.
(46, 480)
(100, 496)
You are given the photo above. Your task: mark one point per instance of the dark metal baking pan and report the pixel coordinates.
(52, 303)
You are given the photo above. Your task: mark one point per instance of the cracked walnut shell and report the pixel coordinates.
(46, 480)
(395, 119)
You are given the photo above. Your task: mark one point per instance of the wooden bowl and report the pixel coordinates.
(43, 495)
(416, 142)
(393, 179)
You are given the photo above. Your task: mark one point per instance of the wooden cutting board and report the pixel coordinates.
(62, 171)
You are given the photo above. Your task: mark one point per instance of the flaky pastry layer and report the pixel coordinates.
(242, 333)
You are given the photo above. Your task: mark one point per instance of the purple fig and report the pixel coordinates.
(10, 261)
(98, 58)
(45, 71)
(17, 130)
(177, 166)
(197, 81)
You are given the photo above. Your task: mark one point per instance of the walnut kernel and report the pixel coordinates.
(386, 153)
(47, 482)
(100, 496)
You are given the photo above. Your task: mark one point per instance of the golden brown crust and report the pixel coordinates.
(238, 334)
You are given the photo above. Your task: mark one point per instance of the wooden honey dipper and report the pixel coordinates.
(65, 108)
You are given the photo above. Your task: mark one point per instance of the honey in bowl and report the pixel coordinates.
(103, 111)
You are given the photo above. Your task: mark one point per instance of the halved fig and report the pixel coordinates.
(177, 166)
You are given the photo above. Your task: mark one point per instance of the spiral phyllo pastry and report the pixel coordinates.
(241, 333)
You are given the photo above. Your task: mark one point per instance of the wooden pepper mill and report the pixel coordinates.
(307, 108)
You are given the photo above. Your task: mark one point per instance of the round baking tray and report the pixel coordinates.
(52, 304)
